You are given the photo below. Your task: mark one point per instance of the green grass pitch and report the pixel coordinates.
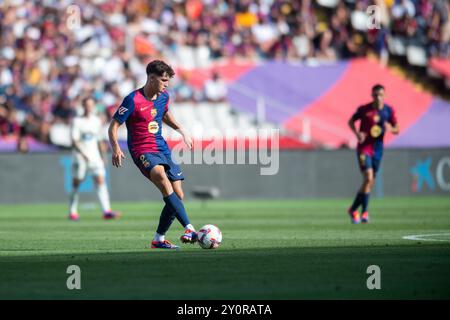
(270, 250)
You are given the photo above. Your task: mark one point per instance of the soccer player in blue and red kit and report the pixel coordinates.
(375, 118)
(143, 111)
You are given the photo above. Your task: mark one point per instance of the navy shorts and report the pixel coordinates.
(147, 161)
(368, 162)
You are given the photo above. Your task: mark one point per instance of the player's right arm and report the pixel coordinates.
(122, 114)
(75, 136)
(360, 136)
(117, 154)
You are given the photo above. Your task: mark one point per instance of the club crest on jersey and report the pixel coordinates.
(376, 118)
(122, 110)
(154, 112)
(153, 127)
(375, 131)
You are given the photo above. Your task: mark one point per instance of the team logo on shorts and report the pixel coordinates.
(144, 161)
(154, 112)
(362, 159)
(153, 127)
(375, 131)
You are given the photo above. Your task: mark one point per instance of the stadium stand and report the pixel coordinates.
(440, 68)
(54, 52)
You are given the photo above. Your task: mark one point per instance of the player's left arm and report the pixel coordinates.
(169, 119)
(392, 124)
(394, 129)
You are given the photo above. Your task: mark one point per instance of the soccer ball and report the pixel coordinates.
(209, 237)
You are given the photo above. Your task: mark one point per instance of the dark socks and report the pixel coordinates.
(365, 201)
(165, 220)
(358, 201)
(177, 207)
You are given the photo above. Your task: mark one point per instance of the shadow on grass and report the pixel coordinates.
(274, 273)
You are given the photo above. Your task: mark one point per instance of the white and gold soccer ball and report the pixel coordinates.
(209, 237)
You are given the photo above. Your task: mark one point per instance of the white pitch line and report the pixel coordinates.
(420, 237)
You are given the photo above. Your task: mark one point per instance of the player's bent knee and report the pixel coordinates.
(164, 186)
(369, 178)
(161, 181)
(368, 185)
(157, 171)
(160, 178)
(157, 175)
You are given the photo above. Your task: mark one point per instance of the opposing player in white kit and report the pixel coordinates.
(87, 157)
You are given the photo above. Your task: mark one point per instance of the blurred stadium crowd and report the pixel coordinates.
(50, 57)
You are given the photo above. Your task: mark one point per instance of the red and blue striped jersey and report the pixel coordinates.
(143, 119)
(372, 123)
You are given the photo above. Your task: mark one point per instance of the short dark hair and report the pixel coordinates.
(377, 87)
(159, 67)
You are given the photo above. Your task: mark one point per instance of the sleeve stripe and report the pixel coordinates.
(125, 109)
